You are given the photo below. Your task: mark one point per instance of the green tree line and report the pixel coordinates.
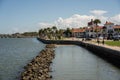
(54, 34)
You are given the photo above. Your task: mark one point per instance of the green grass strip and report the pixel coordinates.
(113, 43)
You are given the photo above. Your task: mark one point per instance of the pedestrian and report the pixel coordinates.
(103, 42)
(98, 41)
(83, 39)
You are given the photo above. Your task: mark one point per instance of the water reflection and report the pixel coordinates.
(76, 63)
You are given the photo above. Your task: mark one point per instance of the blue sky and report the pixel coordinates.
(28, 15)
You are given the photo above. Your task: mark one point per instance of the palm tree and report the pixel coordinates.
(48, 29)
(60, 35)
(49, 33)
(96, 22)
(68, 32)
(54, 28)
(41, 33)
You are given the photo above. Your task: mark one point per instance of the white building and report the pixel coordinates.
(108, 29)
(92, 30)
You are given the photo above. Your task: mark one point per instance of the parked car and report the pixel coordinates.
(116, 37)
(101, 38)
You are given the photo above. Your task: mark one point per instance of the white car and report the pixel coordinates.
(101, 38)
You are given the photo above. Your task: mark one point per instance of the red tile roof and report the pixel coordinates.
(92, 28)
(116, 27)
(107, 23)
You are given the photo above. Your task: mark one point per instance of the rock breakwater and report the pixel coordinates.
(39, 67)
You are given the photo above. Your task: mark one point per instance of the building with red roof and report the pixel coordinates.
(109, 23)
(78, 32)
(108, 30)
(116, 29)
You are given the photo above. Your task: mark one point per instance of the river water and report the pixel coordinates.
(70, 63)
(76, 63)
(15, 53)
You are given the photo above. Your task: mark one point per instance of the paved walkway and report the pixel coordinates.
(93, 42)
(107, 46)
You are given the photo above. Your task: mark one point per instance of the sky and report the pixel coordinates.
(32, 15)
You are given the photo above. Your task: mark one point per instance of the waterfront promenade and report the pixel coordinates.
(94, 43)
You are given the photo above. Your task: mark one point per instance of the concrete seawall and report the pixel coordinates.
(109, 55)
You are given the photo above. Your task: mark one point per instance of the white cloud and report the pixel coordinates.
(45, 25)
(98, 12)
(115, 19)
(76, 20)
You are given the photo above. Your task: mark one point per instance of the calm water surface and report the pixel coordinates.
(75, 63)
(15, 54)
(71, 62)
